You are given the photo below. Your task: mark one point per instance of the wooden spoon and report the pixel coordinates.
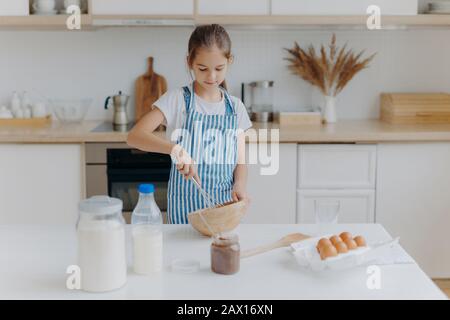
(283, 242)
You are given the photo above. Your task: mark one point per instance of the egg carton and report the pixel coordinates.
(307, 256)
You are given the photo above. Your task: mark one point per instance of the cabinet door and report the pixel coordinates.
(355, 206)
(142, 7)
(336, 166)
(342, 7)
(14, 7)
(273, 196)
(413, 201)
(40, 183)
(230, 7)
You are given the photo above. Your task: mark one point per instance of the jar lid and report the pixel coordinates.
(185, 265)
(225, 239)
(100, 205)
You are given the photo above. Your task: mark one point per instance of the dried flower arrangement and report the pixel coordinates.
(329, 72)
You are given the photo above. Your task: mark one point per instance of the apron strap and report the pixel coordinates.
(229, 105)
(187, 98)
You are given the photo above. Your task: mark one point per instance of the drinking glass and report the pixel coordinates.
(326, 213)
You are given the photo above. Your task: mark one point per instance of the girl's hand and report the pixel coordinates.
(184, 163)
(240, 194)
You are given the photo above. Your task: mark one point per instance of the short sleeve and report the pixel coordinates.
(171, 105)
(243, 119)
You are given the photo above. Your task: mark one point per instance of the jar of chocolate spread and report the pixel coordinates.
(225, 254)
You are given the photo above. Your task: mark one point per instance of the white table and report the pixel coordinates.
(34, 259)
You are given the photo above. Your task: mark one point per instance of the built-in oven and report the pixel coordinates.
(117, 170)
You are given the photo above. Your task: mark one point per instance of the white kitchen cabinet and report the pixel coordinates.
(343, 7)
(14, 7)
(355, 206)
(336, 166)
(142, 7)
(273, 197)
(40, 183)
(233, 7)
(413, 201)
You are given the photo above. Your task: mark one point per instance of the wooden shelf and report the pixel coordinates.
(38, 22)
(89, 22)
(142, 20)
(305, 20)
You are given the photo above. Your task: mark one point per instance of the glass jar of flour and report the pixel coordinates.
(101, 244)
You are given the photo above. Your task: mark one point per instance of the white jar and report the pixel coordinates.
(101, 244)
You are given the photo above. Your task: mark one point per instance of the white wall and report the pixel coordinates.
(99, 63)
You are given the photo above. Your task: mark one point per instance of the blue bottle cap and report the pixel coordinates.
(146, 188)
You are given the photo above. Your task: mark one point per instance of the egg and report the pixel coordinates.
(323, 242)
(346, 235)
(328, 252)
(351, 244)
(360, 241)
(335, 239)
(341, 247)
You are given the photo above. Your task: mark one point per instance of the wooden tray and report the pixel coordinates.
(31, 122)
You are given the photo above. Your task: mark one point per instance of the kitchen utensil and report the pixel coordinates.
(70, 110)
(283, 242)
(5, 113)
(120, 103)
(258, 97)
(44, 5)
(38, 110)
(415, 108)
(209, 200)
(222, 219)
(68, 3)
(210, 205)
(149, 87)
(439, 7)
(26, 112)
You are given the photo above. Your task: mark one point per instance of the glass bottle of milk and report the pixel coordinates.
(147, 223)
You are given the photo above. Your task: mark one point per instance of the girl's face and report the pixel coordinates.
(210, 67)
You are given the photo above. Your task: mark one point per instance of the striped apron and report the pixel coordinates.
(211, 141)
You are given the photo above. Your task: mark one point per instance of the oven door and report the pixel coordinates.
(128, 168)
(125, 183)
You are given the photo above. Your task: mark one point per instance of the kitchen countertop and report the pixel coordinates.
(34, 260)
(358, 131)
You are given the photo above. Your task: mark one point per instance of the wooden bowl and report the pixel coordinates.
(220, 219)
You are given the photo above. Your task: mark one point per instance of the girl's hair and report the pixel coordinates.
(208, 36)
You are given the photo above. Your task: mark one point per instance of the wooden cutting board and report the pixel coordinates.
(415, 108)
(149, 87)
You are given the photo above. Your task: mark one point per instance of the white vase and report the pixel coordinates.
(329, 110)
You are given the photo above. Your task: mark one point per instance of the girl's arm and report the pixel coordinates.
(141, 137)
(240, 172)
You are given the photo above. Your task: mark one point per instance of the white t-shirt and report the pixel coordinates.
(173, 106)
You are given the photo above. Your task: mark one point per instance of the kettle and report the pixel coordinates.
(120, 103)
(257, 96)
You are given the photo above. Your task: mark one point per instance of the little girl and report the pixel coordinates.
(205, 129)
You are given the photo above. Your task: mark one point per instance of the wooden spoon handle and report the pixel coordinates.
(261, 249)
